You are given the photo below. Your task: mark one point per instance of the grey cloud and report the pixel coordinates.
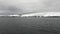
(25, 6)
(10, 10)
(53, 5)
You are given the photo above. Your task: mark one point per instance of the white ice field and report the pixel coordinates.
(45, 14)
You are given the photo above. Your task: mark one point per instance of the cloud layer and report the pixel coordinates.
(25, 6)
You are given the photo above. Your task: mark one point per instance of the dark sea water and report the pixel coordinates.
(18, 25)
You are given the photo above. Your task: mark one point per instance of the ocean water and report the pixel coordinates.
(22, 25)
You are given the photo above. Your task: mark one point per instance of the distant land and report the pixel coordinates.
(35, 14)
(42, 14)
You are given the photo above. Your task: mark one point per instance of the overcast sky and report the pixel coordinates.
(25, 6)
